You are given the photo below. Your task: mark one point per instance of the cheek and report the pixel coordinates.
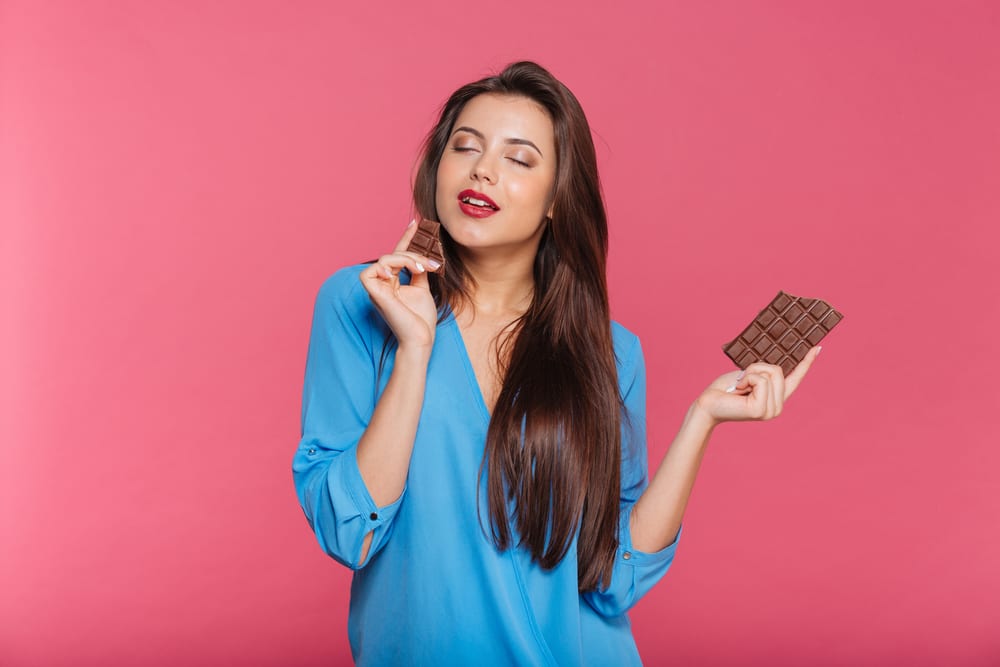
(536, 191)
(443, 179)
(448, 174)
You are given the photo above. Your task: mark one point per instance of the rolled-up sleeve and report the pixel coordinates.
(635, 572)
(338, 400)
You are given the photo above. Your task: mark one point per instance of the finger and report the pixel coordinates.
(776, 376)
(420, 280)
(760, 395)
(735, 381)
(426, 263)
(777, 391)
(760, 367)
(411, 231)
(799, 372)
(377, 271)
(399, 260)
(388, 266)
(770, 410)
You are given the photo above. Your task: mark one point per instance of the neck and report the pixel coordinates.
(503, 284)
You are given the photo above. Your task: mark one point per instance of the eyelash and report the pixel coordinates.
(466, 149)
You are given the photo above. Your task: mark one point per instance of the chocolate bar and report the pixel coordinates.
(427, 242)
(783, 332)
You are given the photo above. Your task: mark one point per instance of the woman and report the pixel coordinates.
(473, 440)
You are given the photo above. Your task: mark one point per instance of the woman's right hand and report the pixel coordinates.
(409, 310)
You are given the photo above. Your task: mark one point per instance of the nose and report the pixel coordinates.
(484, 169)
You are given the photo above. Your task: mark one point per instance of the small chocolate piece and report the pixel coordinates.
(427, 242)
(783, 332)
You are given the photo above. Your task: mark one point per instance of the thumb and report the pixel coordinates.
(411, 231)
(419, 280)
(795, 377)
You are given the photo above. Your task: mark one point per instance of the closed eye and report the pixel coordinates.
(471, 149)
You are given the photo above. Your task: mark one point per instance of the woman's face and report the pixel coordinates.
(496, 176)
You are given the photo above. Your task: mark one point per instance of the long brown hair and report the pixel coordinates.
(554, 442)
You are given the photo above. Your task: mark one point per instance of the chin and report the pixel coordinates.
(460, 229)
(463, 238)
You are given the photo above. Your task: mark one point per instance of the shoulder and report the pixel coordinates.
(344, 288)
(343, 296)
(628, 350)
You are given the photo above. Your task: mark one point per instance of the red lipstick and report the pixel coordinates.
(476, 204)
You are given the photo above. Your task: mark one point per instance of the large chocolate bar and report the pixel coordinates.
(783, 332)
(427, 242)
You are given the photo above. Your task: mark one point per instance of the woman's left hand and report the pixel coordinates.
(760, 391)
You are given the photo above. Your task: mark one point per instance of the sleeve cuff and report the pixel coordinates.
(628, 555)
(372, 515)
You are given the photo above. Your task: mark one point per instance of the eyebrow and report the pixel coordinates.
(510, 140)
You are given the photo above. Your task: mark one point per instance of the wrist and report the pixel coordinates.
(419, 353)
(698, 416)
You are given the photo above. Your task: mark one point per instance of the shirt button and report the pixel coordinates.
(373, 516)
(627, 555)
(312, 451)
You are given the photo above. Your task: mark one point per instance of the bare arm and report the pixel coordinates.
(757, 394)
(385, 448)
(656, 516)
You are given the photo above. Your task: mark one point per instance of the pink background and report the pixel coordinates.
(179, 178)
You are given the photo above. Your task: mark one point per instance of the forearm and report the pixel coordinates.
(385, 448)
(656, 516)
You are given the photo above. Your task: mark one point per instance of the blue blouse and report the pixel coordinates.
(434, 590)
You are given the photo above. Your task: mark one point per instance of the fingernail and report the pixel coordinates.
(738, 378)
(819, 350)
(433, 264)
(420, 267)
(412, 222)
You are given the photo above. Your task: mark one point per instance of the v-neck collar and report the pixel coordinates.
(463, 353)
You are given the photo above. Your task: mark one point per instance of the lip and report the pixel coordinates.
(478, 195)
